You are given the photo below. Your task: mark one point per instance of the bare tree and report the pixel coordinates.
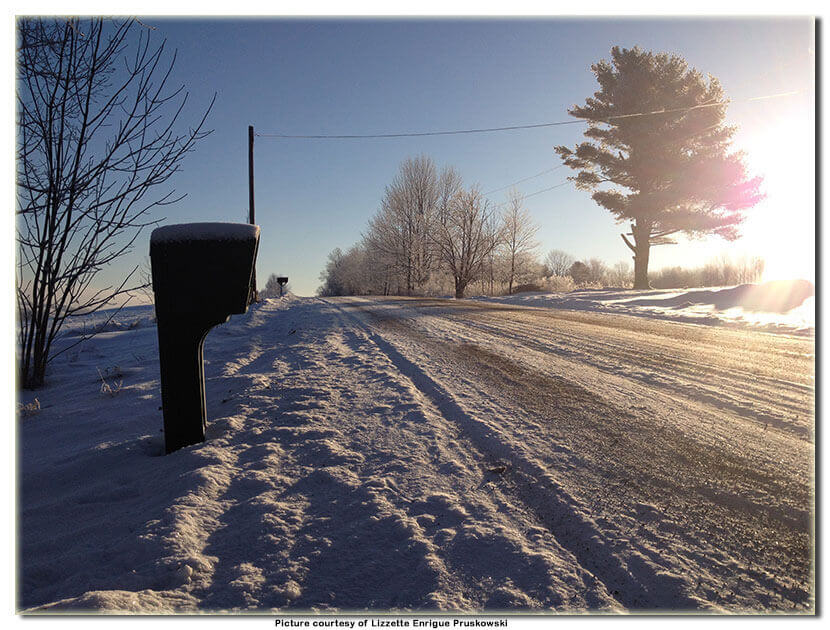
(386, 239)
(381, 274)
(272, 287)
(401, 227)
(399, 235)
(449, 185)
(621, 275)
(518, 237)
(352, 273)
(145, 275)
(419, 187)
(465, 234)
(598, 271)
(559, 263)
(96, 132)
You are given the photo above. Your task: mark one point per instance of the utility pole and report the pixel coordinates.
(251, 217)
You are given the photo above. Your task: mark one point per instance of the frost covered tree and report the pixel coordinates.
(558, 263)
(465, 234)
(97, 132)
(597, 271)
(381, 274)
(658, 138)
(355, 272)
(272, 287)
(518, 238)
(332, 275)
(401, 227)
(620, 275)
(400, 234)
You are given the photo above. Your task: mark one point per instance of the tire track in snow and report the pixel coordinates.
(555, 508)
(770, 401)
(776, 525)
(690, 379)
(474, 532)
(790, 507)
(670, 411)
(573, 336)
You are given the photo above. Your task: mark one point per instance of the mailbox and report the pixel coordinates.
(282, 281)
(201, 276)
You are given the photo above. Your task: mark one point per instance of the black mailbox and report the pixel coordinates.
(282, 281)
(201, 276)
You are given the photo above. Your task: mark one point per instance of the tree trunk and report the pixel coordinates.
(33, 375)
(32, 369)
(641, 252)
(641, 268)
(459, 288)
(512, 273)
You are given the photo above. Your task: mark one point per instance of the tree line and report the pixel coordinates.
(433, 236)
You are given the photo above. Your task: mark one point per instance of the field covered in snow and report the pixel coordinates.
(430, 455)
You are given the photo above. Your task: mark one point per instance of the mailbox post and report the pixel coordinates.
(201, 276)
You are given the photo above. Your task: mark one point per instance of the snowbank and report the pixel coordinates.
(780, 306)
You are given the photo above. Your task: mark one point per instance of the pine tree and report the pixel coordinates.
(660, 140)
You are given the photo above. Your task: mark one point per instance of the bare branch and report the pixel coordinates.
(95, 140)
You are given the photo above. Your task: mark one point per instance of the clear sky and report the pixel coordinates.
(363, 76)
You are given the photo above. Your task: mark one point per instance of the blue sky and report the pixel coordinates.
(355, 76)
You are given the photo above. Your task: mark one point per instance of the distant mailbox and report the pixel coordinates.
(201, 276)
(282, 281)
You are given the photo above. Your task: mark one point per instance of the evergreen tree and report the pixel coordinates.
(659, 138)
(580, 273)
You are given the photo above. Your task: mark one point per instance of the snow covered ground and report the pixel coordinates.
(425, 455)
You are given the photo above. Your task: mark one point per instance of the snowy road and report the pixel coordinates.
(423, 454)
(672, 462)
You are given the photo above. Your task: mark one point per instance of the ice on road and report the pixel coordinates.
(426, 454)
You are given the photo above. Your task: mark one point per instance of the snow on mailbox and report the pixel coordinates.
(201, 276)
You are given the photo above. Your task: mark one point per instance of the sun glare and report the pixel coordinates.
(781, 228)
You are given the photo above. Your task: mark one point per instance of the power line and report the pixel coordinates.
(550, 170)
(707, 129)
(761, 98)
(514, 127)
(533, 194)
(416, 134)
(539, 192)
